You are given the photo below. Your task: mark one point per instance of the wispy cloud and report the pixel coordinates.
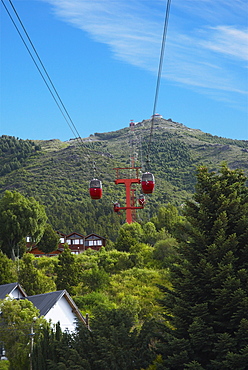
(207, 42)
(228, 41)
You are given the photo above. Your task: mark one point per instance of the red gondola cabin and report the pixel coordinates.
(116, 207)
(147, 183)
(95, 189)
(142, 199)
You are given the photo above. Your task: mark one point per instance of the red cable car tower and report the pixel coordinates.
(130, 207)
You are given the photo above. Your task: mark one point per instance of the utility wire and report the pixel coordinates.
(54, 93)
(159, 74)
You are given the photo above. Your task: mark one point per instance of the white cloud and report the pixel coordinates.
(228, 40)
(201, 50)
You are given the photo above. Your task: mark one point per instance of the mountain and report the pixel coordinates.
(57, 173)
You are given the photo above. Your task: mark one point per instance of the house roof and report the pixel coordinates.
(93, 234)
(45, 302)
(60, 233)
(71, 235)
(7, 289)
(36, 250)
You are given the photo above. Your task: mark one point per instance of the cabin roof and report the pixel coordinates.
(60, 233)
(93, 234)
(7, 289)
(74, 234)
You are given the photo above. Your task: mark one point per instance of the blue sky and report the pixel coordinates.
(103, 55)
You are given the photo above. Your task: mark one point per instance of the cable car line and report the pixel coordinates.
(54, 93)
(147, 179)
(166, 21)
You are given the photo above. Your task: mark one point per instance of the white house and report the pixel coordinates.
(58, 306)
(55, 306)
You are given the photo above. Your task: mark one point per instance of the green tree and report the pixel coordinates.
(95, 279)
(16, 319)
(32, 279)
(49, 241)
(67, 270)
(207, 308)
(129, 235)
(149, 233)
(7, 270)
(19, 217)
(167, 218)
(53, 351)
(110, 344)
(165, 250)
(4, 365)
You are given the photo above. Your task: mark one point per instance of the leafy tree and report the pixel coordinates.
(95, 279)
(114, 261)
(207, 308)
(167, 218)
(49, 241)
(7, 270)
(91, 303)
(165, 250)
(33, 280)
(16, 320)
(149, 233)
(4, 365)
(67, 270)
(136, 291)
(19, 217)
(129, 234)
(142, 255)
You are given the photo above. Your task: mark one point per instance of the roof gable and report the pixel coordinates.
(93, 236)
(12, 289)
(44, 302)
(60, 233)
(74, 235)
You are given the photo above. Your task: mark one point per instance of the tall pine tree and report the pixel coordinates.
(207, 309)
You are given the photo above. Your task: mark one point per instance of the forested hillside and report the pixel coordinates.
(57, 173)
(169, 294)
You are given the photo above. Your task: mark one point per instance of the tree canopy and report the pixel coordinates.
(207, 307)
(49, 241)
(7, 270)
(67, 270)
(19, 217)
(16, 319)
(33, 280)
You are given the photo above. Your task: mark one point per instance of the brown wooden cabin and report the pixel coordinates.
(77, 243)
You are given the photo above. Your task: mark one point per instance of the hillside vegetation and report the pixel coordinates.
(57, 173)
(168, 294)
